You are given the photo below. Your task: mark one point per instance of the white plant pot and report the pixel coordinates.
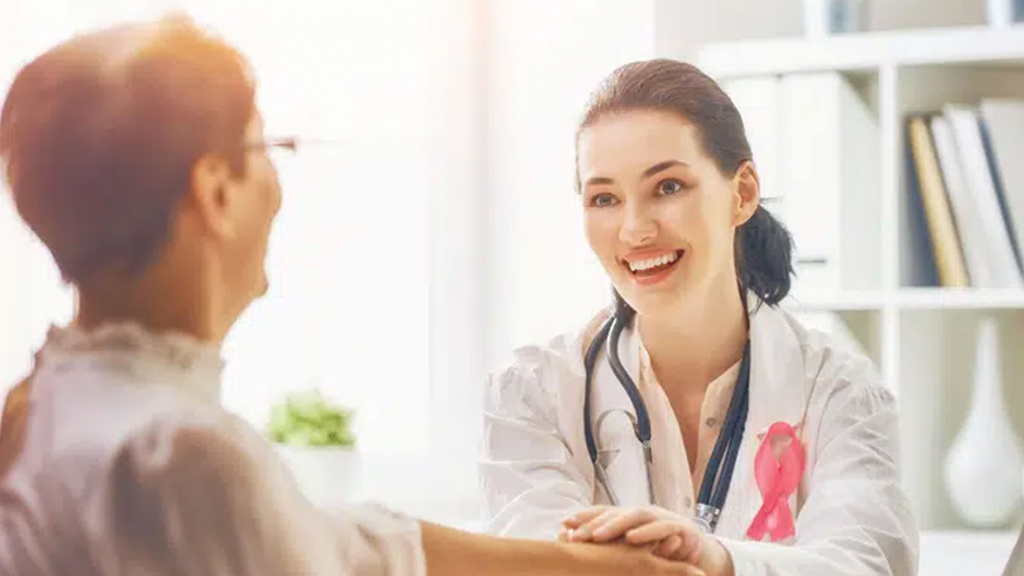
(327, 476)
(983, 467)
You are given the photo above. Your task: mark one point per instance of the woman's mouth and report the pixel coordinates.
(655, 268)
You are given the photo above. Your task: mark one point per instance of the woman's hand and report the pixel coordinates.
(671, 535)
(668, 534)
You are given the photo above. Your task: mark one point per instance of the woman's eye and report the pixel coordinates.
(602, 200)
(669, 187)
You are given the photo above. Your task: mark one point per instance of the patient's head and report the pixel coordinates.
(136, 154)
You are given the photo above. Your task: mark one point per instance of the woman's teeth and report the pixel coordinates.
(641, 265)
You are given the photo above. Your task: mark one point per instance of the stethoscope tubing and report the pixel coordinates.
(715, 484)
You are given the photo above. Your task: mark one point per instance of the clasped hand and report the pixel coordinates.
(666, 533)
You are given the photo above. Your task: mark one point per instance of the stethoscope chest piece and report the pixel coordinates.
(707, 517)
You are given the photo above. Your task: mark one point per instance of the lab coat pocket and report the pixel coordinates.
(621, 456)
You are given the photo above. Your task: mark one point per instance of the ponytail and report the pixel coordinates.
(764, 252)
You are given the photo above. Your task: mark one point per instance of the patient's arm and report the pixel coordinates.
(203, 494)
(452, 552)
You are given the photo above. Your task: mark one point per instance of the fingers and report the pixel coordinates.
(689, 549)
(668, 547)
(580, 518)
(615, 523)
(684, 538)
(586, 532)
(654, 531)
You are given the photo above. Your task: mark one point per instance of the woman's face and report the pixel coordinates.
(658, 212)
(251, 202)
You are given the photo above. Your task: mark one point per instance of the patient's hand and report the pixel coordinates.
(622, 559)
(666, 533)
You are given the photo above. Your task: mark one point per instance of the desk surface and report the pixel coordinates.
(956, 553)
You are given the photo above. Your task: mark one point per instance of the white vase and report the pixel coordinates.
(327, 476)
(1000, 12)
(827, 17)
(983, 467)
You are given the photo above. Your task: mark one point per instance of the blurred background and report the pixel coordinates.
(431, 225)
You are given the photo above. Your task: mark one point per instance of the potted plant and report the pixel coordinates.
(315, 439)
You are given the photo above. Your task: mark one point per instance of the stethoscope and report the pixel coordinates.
(715, 485)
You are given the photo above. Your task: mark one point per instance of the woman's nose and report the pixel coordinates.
(638, 227)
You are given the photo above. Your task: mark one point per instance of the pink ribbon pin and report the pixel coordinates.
(778, 467)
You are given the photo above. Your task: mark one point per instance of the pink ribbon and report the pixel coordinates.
(778, 472)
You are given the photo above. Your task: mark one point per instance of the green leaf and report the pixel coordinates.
(307, 418)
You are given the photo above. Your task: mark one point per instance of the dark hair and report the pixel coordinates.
(100, 134)
(763, 246)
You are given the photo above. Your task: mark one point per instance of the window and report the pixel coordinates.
(430, 229)
(347, 309)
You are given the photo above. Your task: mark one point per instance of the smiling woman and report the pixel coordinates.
(624, 130)
(753, 444)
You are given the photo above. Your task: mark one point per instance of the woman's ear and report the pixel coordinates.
(747, 189)
(208, 195)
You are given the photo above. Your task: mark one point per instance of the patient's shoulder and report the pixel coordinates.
(184, 451)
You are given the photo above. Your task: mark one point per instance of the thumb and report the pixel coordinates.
(692, 546)
(676, 568)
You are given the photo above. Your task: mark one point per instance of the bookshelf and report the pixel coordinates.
(920, 334)
(913, 298)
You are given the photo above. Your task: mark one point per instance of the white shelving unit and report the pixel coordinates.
(922, 337)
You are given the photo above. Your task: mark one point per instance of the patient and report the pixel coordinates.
(137, 156)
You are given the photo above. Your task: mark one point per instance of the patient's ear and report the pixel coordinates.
(212, 194)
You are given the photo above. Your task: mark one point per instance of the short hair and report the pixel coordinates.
(100, 134)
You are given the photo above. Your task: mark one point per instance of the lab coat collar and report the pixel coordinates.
(777, 369)
(777, 393)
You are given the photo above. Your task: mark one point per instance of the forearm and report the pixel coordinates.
(452, 552)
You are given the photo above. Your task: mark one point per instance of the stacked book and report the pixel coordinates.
(966, 164)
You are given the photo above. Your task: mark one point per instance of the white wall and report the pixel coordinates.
(544, 60)
(681, 26)
(348, 305)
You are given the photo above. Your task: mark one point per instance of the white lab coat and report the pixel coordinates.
(852, 516)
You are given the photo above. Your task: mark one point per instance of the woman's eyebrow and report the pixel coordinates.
(659, 167)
